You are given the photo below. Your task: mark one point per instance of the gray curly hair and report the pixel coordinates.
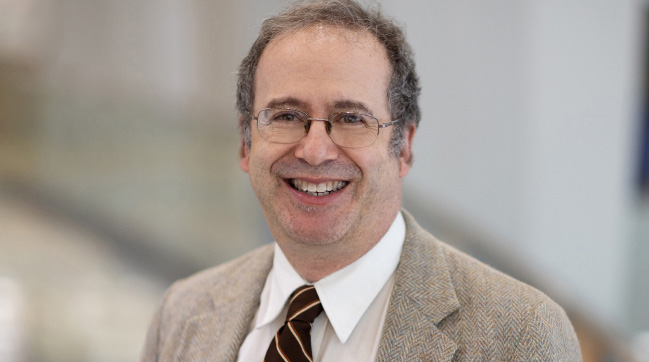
(403, 89)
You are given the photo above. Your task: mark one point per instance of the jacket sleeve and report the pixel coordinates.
(152, 343)
(548, 336)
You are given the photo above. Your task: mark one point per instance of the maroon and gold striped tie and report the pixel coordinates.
(292, 342)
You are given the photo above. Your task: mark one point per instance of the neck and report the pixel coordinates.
(314, 262)
(320, 261)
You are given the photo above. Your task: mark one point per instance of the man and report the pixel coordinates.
(328, 110)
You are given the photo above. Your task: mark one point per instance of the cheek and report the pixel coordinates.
(255, 164)
(378, 172)
(259, 172)
(262, 158)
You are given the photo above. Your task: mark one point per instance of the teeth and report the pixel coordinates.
(320, 189)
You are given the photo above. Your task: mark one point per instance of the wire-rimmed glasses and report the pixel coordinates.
(346, 129)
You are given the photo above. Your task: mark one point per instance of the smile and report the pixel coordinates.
(321, 189)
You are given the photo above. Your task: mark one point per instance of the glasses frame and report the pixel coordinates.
(327, 120)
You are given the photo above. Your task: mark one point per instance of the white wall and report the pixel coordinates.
(583, 93)
(528, 131)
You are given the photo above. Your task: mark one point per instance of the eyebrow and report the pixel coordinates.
(344, 105)
(348, 105)
(287, 102)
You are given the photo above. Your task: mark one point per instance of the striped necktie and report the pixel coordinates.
(292, 342)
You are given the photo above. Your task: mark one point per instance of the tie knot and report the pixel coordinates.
(304, 305)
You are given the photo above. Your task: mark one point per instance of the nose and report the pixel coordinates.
(316, 147)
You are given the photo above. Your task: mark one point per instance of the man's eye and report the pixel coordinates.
(350, 118)
(286, 117)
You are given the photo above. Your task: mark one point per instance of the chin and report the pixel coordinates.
(315, 237)
(313, 225)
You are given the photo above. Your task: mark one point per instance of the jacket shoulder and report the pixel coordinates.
(199, 291)
(231, 289)
(505, 316)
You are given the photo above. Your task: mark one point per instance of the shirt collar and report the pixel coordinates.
(345, 294)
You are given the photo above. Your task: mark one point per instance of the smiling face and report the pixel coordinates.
(313, 192)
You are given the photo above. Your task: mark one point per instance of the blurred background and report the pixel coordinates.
(119, 167)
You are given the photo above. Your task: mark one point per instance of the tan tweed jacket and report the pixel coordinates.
(445, 306)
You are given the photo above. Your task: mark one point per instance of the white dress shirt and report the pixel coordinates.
(355, 301)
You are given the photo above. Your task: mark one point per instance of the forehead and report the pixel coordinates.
(323, 63)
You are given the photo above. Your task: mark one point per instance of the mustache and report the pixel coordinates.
(295, 168)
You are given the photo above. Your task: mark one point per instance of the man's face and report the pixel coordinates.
(322, 70)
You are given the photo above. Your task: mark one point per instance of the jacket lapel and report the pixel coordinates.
(423, 296)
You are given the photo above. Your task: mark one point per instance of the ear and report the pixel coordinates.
(405, 156)
(244, 156)
(244, 153)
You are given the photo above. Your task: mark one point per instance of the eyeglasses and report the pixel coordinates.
(346, 129)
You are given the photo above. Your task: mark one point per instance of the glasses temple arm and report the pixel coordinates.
(383, 125)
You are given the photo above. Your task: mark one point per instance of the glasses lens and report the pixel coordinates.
(353, 129)
(346, 129)
(281, 125)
